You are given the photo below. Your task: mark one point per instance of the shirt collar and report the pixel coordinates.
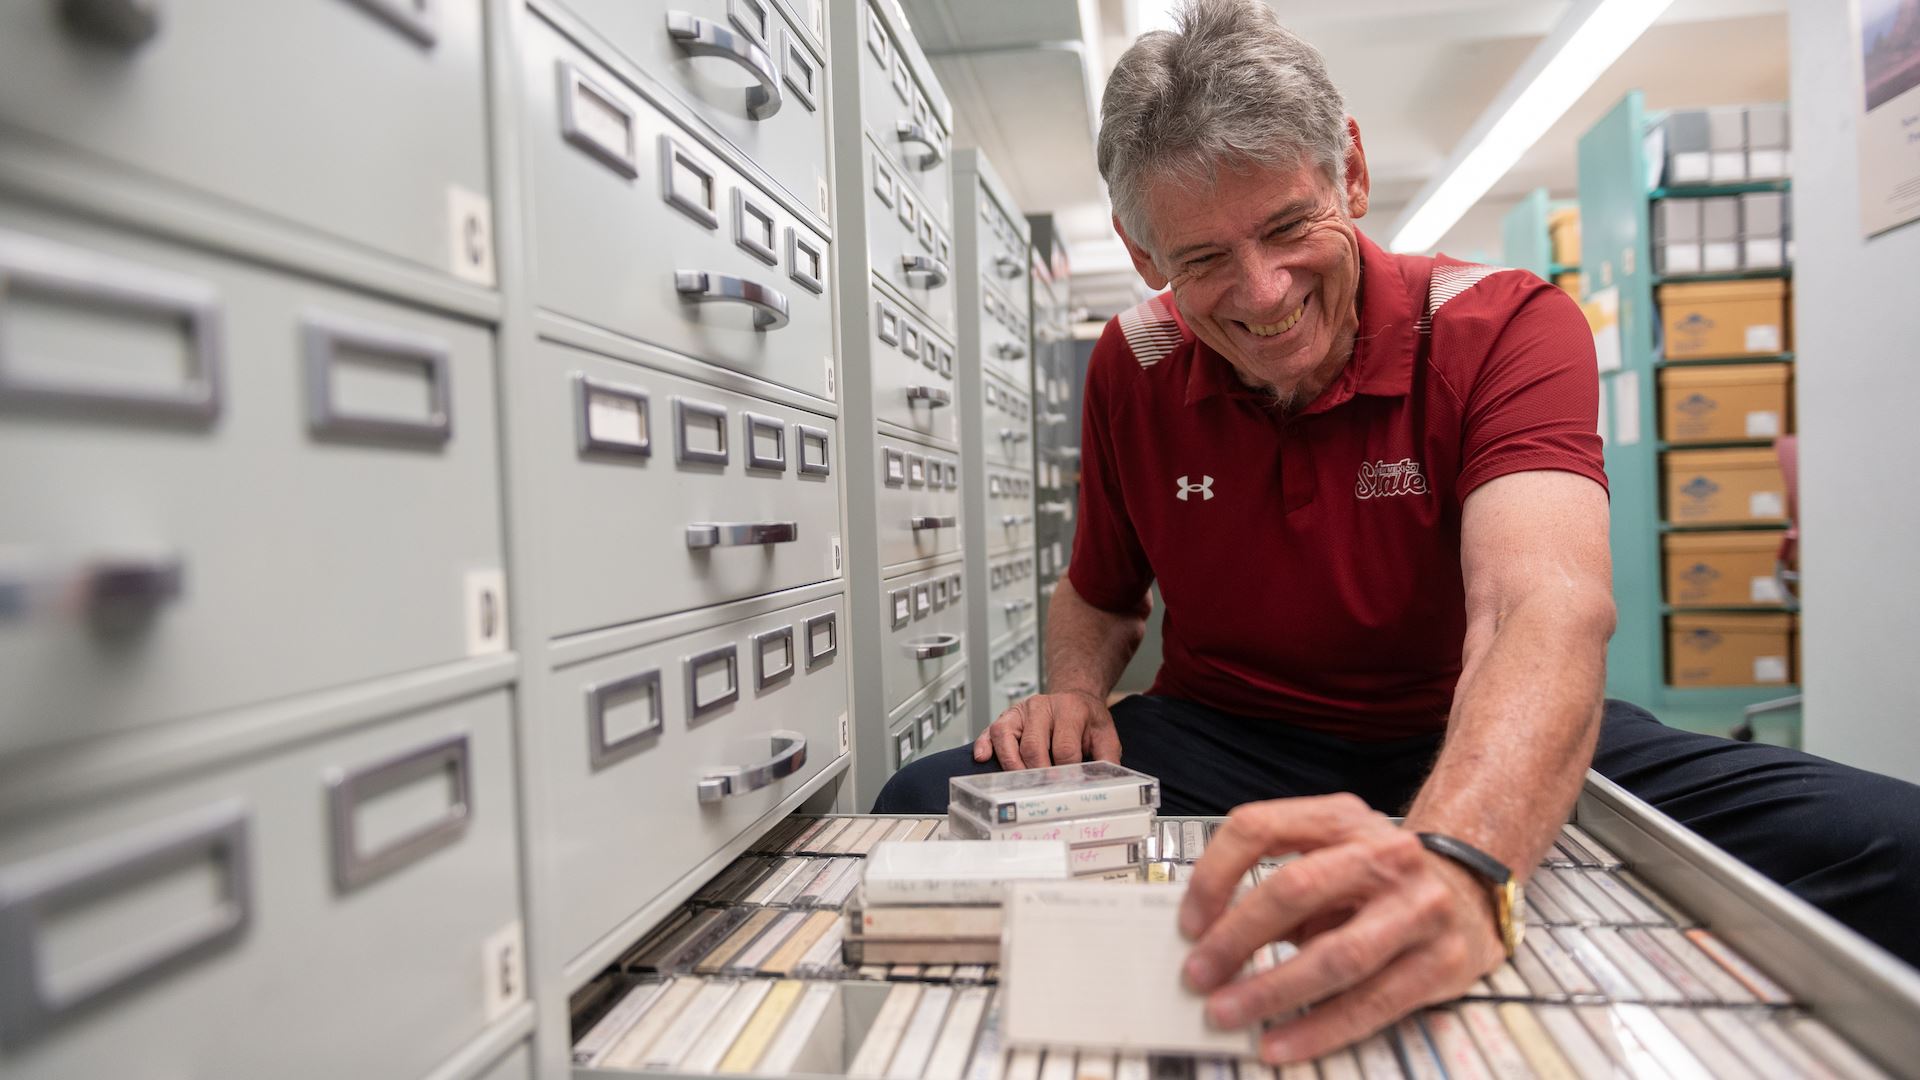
(1383, 349)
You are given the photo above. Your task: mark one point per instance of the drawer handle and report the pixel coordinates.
(1010, 351)
(918, 133)
(127, 24)
(1015, 607)
(118, 592)
(935, 647)
(33, 893)
(699, 286)
(1061, 507)
(789, 757)
(1013, 435)
(932, 395)
(347, 791)
(1008, 266)
(932, 521)
(1013, 521)
(698, 37)
(924, 266)
(1024, 688)
(741, 533)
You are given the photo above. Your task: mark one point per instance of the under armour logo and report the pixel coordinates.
(1204, 487)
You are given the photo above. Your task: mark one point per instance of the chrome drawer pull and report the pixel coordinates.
(118, 592)
(1012, 521)
(1009, 351)
(1061, 507)
(789, 757)
(924, 266)
(742, 533)
(930, 521)
(123, 23)
(1015, 607)
(1008, 266)
(918, 133)
(932, 395)
(700, 286)
(1013, 435)
(1025, 688)
(698, 37)
(935, 647)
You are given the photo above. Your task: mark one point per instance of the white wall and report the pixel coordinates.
(1857, 318)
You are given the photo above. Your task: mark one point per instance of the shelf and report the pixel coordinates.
(1735, 696)
(1736, 526)
(1782, 273)
(1554, 270)
(1720, 444)
(1708, 191)
(1730, 609)
(1714, 361)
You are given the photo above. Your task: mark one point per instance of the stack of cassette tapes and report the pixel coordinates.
(941, 903)
(1102, 811)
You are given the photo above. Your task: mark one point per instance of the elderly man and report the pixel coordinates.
(1370, 490)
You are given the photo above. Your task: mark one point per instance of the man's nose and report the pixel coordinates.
(1264, 283)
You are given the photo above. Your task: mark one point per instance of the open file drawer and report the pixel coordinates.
(1838, 1000)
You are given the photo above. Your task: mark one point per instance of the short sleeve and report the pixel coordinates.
(1109, 569)
(1534, 401)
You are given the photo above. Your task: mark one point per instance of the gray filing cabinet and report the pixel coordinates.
(996, 348)
(1058, 375)
(908, 496)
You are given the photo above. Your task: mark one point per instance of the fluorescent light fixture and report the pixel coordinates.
(1145, 15)
(1565, 66)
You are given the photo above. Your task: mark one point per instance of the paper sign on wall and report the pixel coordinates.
(1626, 408)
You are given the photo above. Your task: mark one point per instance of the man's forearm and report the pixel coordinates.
(1525, 718)
(1088, 647)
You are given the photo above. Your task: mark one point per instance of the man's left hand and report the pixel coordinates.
(1383, 925)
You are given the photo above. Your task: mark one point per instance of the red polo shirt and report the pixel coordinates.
(1310, 565)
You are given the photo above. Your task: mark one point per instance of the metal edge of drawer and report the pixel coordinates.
(920, 699)
(67, 181)
(584, 967)
(78, 774)
(1850, 983)
(593, 644)
(490, 1049)
(569, 331)
(575, 31)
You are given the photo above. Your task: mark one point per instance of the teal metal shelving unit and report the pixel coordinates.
(1616, 189)
(1524, 240)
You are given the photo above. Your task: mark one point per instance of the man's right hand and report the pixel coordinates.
(1051, 729)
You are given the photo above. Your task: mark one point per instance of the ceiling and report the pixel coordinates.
(1025, 77)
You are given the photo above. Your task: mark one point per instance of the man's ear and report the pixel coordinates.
(1142, 259)
(1359, 184)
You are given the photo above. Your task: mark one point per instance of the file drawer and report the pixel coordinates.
(638, 229)
(1007, 425)
(911, 250)
(1003, 252)
(1010, 593)
(913, 376)
(199, 450)
(1015, 671)
(662, 754)
(925, 630)
(1005, 345)
(926, 725)
(906, 114)
(919, 502)
(742, 67)
(1009, 509)
(347, 908)
(668, 495)
(366, 121)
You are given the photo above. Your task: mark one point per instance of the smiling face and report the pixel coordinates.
(1265, 266)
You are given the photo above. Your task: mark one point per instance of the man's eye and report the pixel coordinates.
(1284, 229)
(1200, 262)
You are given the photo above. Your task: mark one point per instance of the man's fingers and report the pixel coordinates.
(1068, 728)
(1340, 959)
(1419, 977)
(983, 746)
(1038, 733)
(1328, 879)
(1256, 830)
(1103, 742)
(1006, 737)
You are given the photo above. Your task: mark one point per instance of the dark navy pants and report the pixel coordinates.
(1845, 840)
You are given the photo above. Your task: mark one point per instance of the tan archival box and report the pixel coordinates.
(1724, 487)
(1722, 569)
(1709, 319)
(1723, 404)
(1729, 650)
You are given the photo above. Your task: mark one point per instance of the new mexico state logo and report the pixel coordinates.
(1383, 479)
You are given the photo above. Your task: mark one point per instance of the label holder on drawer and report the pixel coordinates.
(613, 419)
(808, 441)
(32, 893)
(758, 425)
(602, 697)
(685, 412)
(806, 261)
(755, 229)
(589, 117)
(348, 791)
(830, 622)
(729, 654)
(782, 639)
(31, 267)
(326, 338)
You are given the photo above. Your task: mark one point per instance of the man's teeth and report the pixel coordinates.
(1281, 327)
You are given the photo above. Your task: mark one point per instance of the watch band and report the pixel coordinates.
(1467, 855)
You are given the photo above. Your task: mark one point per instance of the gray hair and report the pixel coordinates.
(1230, 87)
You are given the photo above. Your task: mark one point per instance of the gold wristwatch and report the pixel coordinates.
(1509, 904)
